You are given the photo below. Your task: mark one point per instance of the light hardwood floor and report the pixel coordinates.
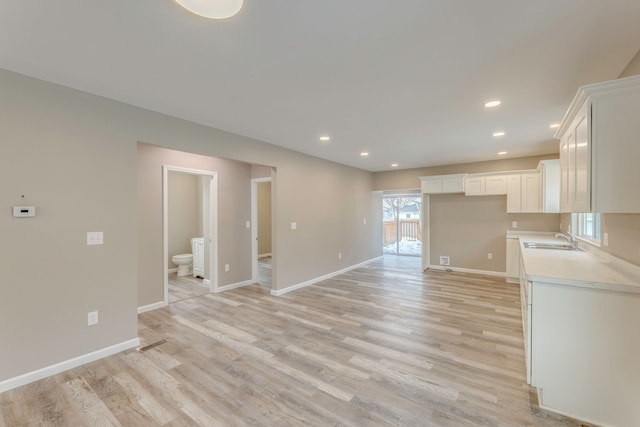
(382, 345)
(185, 287)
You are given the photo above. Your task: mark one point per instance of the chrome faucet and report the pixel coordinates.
(569, 238)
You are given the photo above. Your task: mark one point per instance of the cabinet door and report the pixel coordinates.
(582, 200)
(453, 185)
(474, 186)
(565, 204)
(550, 190)
(514, 193)
(431, 186)
(531, 192)
(495, 184)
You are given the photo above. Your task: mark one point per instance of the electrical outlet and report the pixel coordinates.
(95, 238)
(92, 318)
(445, 260)
(489, 256)
(339, 255)
(364, 221)
(226, 267)
(605, 239)
(248, 224)
(514, 224)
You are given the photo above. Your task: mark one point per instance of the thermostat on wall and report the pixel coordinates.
(24, 211)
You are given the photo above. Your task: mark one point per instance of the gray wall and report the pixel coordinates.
(624, 234)
(184, 212)
(633, 67)
(67, 154)
(234, 209)
(264, 217)
(258, 171)
(75, 156)
(467, 228)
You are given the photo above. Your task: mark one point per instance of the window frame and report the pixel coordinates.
(587, 227)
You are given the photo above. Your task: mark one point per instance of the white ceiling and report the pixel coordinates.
(405, 80)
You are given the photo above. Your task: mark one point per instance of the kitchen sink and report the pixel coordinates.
(558, 247)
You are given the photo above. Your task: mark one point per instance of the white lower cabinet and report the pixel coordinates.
(582, 346)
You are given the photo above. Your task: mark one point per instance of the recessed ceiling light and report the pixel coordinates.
(493, 103)
(394, 165)
(212, 9)
(325, 138)
(502, 153)
(555, 125)
(364, 154)
(498, 133)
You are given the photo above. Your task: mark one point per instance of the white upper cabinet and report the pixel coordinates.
(600, 148)
(523, 192)
(442, 184)
(550, 174)
(485, 184)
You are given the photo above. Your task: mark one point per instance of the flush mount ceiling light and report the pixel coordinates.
(555, 125)
(213, 9)
(491, 104)
(498, 133)
(364, 154)
(502, 153)
(394, 165)
(325, 138)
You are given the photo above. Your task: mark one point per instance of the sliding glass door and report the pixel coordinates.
(402, 226)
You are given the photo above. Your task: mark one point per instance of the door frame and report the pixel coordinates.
(254, 221)
(426, 233)
(424, 200)
(212, 279)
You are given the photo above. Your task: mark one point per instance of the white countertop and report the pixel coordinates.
(592, 268)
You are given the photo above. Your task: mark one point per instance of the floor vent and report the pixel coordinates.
(150, 346)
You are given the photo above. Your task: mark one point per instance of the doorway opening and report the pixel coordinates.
(262, 245)
(402, 225)
(189, 228)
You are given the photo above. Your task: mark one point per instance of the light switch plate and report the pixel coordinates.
(248, 224)
(294, 226)
(605, 239)
(92, 318)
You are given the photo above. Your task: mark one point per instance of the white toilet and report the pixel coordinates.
(183, 261)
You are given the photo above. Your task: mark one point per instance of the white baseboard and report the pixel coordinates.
(172, 270)
(66, 365)
(264, 255)
(206, 282)
(469, 270)
(279, 292)
(567, 414)
(150, 307)
(234, 286)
